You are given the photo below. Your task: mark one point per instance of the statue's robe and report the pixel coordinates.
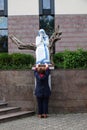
(42, 51)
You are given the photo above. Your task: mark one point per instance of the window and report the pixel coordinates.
(46, 7)
(3, 22)
(46, 15)
(1, 5)
(47, 23)
(46, 4)
(3, 26)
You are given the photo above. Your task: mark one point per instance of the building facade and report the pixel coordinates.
(23, 18)
(26, 17)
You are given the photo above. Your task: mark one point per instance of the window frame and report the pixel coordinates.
(47, 12)
(4, 13)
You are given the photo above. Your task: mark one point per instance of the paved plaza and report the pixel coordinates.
(53, 122)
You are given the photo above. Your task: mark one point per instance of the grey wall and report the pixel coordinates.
(69, 90)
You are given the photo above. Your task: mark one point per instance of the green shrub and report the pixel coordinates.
(71, 59)
(65, 60)
(58, 60)
(16, 61)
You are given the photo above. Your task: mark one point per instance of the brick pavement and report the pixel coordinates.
(53, 122)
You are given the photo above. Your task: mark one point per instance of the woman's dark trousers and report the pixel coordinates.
(42, 105)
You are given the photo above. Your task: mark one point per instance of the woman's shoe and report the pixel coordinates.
(45, 115)
(40, 116)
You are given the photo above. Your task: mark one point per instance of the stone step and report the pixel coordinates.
(7, 110)
(3, 104)
(8, 113)
(15, 115)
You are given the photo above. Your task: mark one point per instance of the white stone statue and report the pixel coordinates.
(42, 51)
(41, 45)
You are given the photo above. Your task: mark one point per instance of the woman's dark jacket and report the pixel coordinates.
(42, 84)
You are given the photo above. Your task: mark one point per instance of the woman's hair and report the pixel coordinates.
(41, 70)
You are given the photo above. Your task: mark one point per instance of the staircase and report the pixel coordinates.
(8, 113)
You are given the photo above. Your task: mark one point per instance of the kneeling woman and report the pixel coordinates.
(42, 89)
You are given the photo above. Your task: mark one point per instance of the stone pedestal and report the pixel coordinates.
(51, 67)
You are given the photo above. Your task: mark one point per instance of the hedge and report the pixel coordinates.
(65, 60)
(16, 61)
(71, 59)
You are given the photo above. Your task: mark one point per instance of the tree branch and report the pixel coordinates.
(21, 45)
(31, 46)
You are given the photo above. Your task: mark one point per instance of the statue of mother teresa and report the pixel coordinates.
(42, 51)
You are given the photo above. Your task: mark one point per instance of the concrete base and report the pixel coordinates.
(68, 90)
(51, 67)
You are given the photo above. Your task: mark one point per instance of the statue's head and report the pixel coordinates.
(42, 32)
